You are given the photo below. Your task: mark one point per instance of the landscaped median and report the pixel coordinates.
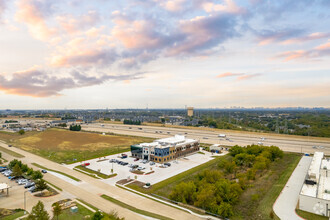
(94, 173)
(139, 211)
(56, 171)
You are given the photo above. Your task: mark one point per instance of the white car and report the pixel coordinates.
(141, 168)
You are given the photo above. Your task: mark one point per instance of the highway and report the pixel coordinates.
(289, 143)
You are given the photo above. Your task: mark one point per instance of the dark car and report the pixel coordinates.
(44, 171)
(167, 164)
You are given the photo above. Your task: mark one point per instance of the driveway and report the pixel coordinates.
(286, 203)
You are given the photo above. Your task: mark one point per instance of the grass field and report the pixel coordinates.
(142, 212)
(81, 214)
(64, 146)
(310, 216)
(13, 216)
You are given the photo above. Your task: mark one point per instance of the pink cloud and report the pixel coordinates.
(317, 52)
(29, 13)
(229, 6)
(310, 37)
(246, 77)
(73, 25)
(229, 74)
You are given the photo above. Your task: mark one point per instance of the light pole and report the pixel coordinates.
(25, 202)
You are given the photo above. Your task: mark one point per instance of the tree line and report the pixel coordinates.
(132, 122)
(75, 127)
(218, 190)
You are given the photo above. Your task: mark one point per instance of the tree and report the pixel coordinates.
(236, 150)
(38, 212)
(97, 216)
(36, 175)
(21, 132)
(17, 170)
(41, 185)
(225, 210)
(29, 172)
(57, 210)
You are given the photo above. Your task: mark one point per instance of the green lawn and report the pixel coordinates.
(10, 152)
(102, 175)
(142, 212)
(64, 174)
(82, 212)
(310, 216)
(93, 207)
(13, 216)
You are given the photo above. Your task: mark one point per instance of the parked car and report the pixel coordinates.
(145, 161)
(152, 163)
(136, 159)
(8, 173)
(167, 164)
(22, 181)
(33, 189)
(2, 169)
(141, 168)
(123, 156)
(14, 178)
(10, 145)
(85, 164)
(44, 171)
(29, 184)
(112, 160)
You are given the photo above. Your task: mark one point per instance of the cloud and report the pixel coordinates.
(310, 37)
(247, 77)
(33, 13)
(202, 33)
(36, 83)
(73, 25)
(229, 6)
(97, 58)
(173, 5)
(229, 74)
(2, 8)
(270, 36)
(317, 52)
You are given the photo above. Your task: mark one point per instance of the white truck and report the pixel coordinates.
(222, 135)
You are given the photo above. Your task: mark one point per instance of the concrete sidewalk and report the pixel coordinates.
(286, 203)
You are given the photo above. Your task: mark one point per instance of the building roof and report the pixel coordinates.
(314, 169)
(4, 186)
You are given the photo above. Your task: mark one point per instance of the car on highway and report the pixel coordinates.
(205, 138)
(315, 147)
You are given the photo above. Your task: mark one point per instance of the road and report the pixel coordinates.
(286, 203)
(289, 143)
(90, 189)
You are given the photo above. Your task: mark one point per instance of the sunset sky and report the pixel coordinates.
(164, 53)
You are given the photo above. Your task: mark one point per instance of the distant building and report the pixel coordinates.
(166, 149)
(190, 111)
(315, 193)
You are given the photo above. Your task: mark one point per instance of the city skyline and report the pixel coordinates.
(164, 54)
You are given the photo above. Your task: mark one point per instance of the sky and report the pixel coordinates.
(82, 54)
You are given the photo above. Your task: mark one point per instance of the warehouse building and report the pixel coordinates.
(315, 193)
(166, 149)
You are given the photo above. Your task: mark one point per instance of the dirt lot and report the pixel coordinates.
(65, 146)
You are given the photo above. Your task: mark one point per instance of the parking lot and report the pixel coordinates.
(151, 173)
(15, 199)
